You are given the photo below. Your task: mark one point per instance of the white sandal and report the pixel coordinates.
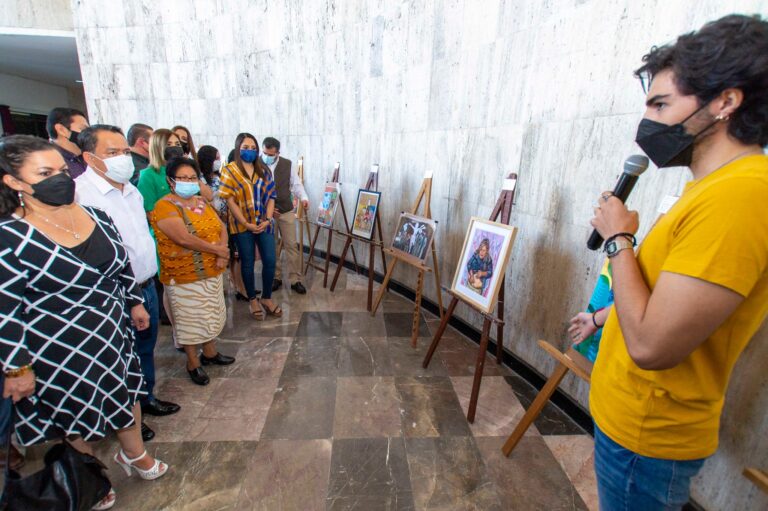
(157, 470)
(107, 502)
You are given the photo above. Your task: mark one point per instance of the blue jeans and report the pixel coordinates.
(146, 339)
(627, 481)
(246, 243)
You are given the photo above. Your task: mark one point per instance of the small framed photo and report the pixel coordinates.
(327, 209)
(365, 213)
(483, 262)
(414, 236)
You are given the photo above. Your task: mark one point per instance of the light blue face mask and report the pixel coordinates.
(187, 190)
(269, 160)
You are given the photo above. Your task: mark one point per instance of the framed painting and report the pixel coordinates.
(327, 209)
(414, 236)
(365, 213)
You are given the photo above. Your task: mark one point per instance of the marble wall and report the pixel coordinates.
(469, 90)
(36, 14)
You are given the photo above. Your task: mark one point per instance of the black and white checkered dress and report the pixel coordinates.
(70, 321)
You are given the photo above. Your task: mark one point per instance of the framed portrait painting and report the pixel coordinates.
(327, 209)
(365, 213)
(483, 262)
(414, 236)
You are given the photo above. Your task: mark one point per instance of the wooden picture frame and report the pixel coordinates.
(487, 244)
(326, 210)
(366, 209)
(413, 237)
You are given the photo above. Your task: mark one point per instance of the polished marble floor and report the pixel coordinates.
(329, 408)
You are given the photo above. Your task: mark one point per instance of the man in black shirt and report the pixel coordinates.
(63, 126)
(138, 139)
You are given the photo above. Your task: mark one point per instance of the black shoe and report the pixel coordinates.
(241, 297)
(219, 360)
(146, 433)
(159, 408)
(299, 288)
(276, 285)
(198, 376)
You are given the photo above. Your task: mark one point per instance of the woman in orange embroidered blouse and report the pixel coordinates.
(192, 244)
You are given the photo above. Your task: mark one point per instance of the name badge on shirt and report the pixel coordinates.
(667, 203)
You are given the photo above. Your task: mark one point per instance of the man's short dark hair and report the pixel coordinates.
(271, 143)
(89, 137)
(731, 52)
(137, 131)
(60, 115)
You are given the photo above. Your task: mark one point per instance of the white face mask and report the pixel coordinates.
(119, 168)
(216, 165)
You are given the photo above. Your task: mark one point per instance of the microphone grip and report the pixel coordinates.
(621, 191)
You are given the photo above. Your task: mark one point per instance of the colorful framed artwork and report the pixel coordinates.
(327, 209)
(365, 213)
(483, 263)
(414, 236)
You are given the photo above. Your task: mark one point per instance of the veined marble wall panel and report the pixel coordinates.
(39, 15)
(470, 90)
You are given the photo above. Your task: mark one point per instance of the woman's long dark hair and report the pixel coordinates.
(205, 158)
(257, 163)
(14, 151)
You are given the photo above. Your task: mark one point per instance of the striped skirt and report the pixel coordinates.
(198, 309)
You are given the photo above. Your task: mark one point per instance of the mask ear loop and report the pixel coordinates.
(702, 107)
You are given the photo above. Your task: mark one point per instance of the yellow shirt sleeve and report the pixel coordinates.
(724, 238)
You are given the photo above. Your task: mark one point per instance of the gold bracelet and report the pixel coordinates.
(19, 371)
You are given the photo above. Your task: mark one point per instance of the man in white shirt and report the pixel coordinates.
(288, 187)
(105, 185)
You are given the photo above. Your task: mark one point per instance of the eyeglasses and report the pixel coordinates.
(187, 179)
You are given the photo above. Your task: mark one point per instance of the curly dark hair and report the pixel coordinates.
(731, 52)
(174, 164)
(14, 151)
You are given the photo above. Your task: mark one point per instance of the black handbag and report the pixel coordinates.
(70, 481)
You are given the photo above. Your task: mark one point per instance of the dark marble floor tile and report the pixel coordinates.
(369, 473)
(429, 407)
(406, 360)
(459, 357)
(552, 420)
(320, 324)
(286, 475)
(367, 407)
(202, 476)
(448, 473)
(362, 324)
(531, 478)
(302, 408)
(399, 324)
(312, 356)
(192, 398)
(260, 358)
(364, 356)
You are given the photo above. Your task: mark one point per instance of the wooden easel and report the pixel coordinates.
(372, 185)
(324, 269)
(301, 219)
(570, 360)
(424, 195)
(501, 212)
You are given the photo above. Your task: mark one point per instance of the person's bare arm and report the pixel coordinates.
(205, 191)
(175, 229)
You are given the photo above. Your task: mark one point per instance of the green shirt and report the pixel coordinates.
(153, 186)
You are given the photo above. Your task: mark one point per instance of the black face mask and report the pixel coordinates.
(185, 147)
(58, 190)
(172, 152)
(668, 145)
(73, 137)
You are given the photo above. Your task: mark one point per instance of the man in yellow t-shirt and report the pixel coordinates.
(696, 292)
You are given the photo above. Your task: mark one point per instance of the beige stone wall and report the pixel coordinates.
(469, 90)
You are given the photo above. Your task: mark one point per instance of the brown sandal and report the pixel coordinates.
(276, 312)
(257, 314)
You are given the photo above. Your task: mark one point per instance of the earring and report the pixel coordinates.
(21, 199)
(722, 117)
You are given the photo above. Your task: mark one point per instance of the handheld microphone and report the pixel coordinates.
(633, 167)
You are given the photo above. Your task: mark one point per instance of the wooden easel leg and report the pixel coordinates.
(417, 310)
(479, 365)
(341, 263)
(311, 250)
(439, 333)
(354, 260)
(383, 288)
(438, 290)
(371, 267)
(535, 409)
(500, 326)
(328, 258)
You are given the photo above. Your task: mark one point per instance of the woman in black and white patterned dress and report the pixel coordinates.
(67, 295)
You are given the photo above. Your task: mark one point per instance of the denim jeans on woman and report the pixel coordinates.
(627, 481)
(246, 243)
